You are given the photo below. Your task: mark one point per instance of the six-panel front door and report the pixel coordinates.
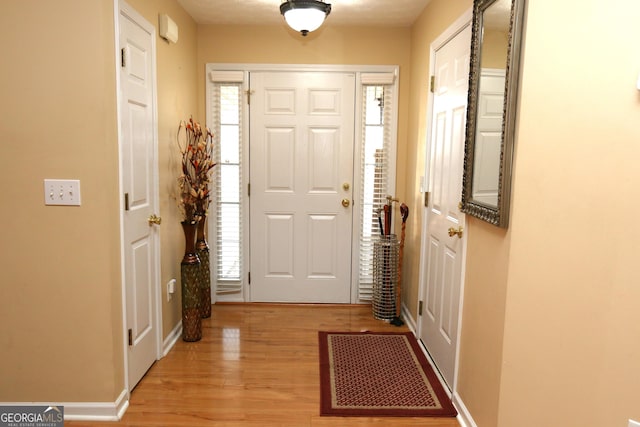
(301, 171)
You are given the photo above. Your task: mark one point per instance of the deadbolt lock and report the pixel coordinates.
(346, 186)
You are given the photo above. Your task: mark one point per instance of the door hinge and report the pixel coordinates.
(419, 308)
(130, 337)
(122, 58)
(249, 92)
(249, 190)
(126, 201)
(432, 84)
(426, 199)
(249, 278)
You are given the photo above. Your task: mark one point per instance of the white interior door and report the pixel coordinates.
(488, 136)
(301, 171)
(442, 266)
(138, 159)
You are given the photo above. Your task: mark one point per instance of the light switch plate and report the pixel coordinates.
(62, 192)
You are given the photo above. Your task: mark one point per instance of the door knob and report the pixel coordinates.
(346, 203)
(153, 219)
(453, 232)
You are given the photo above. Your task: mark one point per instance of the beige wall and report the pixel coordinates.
(329, 45)
(61, 321)
(483, 320)
(572, 326)
(494, 49)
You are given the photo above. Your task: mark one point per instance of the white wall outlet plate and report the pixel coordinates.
(171, 289)
(633, 423)
(62, 192)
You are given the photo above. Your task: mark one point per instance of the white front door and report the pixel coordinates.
(442, 263)
(301, 172)
(139, 165)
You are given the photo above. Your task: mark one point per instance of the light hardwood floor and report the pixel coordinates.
(256, 365)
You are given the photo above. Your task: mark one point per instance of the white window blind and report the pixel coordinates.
(227, 116)
(374, 170)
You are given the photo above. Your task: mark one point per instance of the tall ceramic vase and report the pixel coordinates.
(189, 274)
(202, 249)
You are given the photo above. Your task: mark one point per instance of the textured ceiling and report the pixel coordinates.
(343, 12)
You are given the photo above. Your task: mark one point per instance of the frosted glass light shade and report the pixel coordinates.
(305, 15)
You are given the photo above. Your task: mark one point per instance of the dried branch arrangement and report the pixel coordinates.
(196, 149)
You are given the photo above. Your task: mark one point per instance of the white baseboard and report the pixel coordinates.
(87, 411)
(464, 416)
(97, 411)
(172, 339)
(408, 320)
(106, 411)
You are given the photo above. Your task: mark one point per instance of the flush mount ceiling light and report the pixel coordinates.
(305, 15)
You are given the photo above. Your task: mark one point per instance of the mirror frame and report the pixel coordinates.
(498, 215)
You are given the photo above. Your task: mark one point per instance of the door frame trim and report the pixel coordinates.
(453, 30)
(358, 70)
(121, 6)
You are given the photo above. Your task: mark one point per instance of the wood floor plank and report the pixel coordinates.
(256, 365)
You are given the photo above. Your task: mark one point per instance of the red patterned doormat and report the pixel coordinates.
(378, 374)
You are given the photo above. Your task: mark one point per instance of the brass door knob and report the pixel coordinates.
(153, 219)
(346, 202)
(453, 232)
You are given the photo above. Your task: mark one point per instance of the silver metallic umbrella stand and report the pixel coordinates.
(386, 254)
